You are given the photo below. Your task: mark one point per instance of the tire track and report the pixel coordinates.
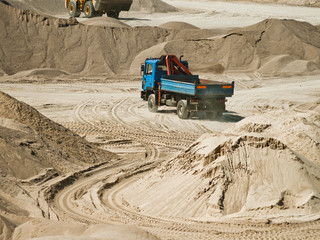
(107, 204)
(111, 208)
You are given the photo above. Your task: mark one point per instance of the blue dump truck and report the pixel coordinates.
(168, 81)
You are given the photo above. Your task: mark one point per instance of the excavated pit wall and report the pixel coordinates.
(48, 42)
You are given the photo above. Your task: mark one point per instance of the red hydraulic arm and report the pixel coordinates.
(175, 67)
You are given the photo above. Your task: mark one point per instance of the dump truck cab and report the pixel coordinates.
(168, 81)
(152, 70)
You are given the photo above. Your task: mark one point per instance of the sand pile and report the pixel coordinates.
(178, 25)
(30, 142)
(47, 42)
(249, 175)
(271, 47)
(50, 230)
(105, 22)
(300, 131)
(57, 7)
(52, 7)
(151, 6)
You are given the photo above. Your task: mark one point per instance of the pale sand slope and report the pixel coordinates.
(270, 48)
(30, 142)
(266, 167)
(35, 149)
(57, 7)
(48, 42)
(152, 6)
(53, 230)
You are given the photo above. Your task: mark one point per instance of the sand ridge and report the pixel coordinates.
(30, 139)
(70, 46)
(250, 175)
(270, 48)
(57, 7)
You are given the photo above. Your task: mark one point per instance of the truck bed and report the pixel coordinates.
(193, 86)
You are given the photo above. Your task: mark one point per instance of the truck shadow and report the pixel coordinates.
(228, 116)
(133, 19)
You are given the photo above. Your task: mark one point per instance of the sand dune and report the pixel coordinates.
(270, 48)
(50, 230)
(151, 6)
(251, 175)
(57, 7)
(30, 143)
(47, 42)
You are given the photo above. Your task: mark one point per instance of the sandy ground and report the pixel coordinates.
(216, 14)
(252, 174)
(112, 114)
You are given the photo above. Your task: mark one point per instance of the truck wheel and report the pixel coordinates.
(74, 11)
(182, 110)
(89, 9)
(152, 104)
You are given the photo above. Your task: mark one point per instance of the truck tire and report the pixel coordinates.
(73, 9)
(152, 104)
(89, 9)
(182, 110)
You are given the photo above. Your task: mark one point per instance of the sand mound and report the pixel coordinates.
(30, 142)
(178, 25)
(271, 47)
(47, 42)
(105, 22)
(252, 175)
(52, 7)
(50, 230)
(300, 131)
(151, 6)
(6, 228)
(56, 7)
(233, 177)
(48, 72)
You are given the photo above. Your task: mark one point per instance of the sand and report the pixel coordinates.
(58, 230)
(270, 48)
(57, 7)
(258, 49)
(47, 44)
(81, 157)
(249, 175)
(152, 6)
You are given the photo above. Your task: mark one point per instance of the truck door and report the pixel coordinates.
(148, 77)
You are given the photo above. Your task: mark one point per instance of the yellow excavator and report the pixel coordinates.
(93, 8)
